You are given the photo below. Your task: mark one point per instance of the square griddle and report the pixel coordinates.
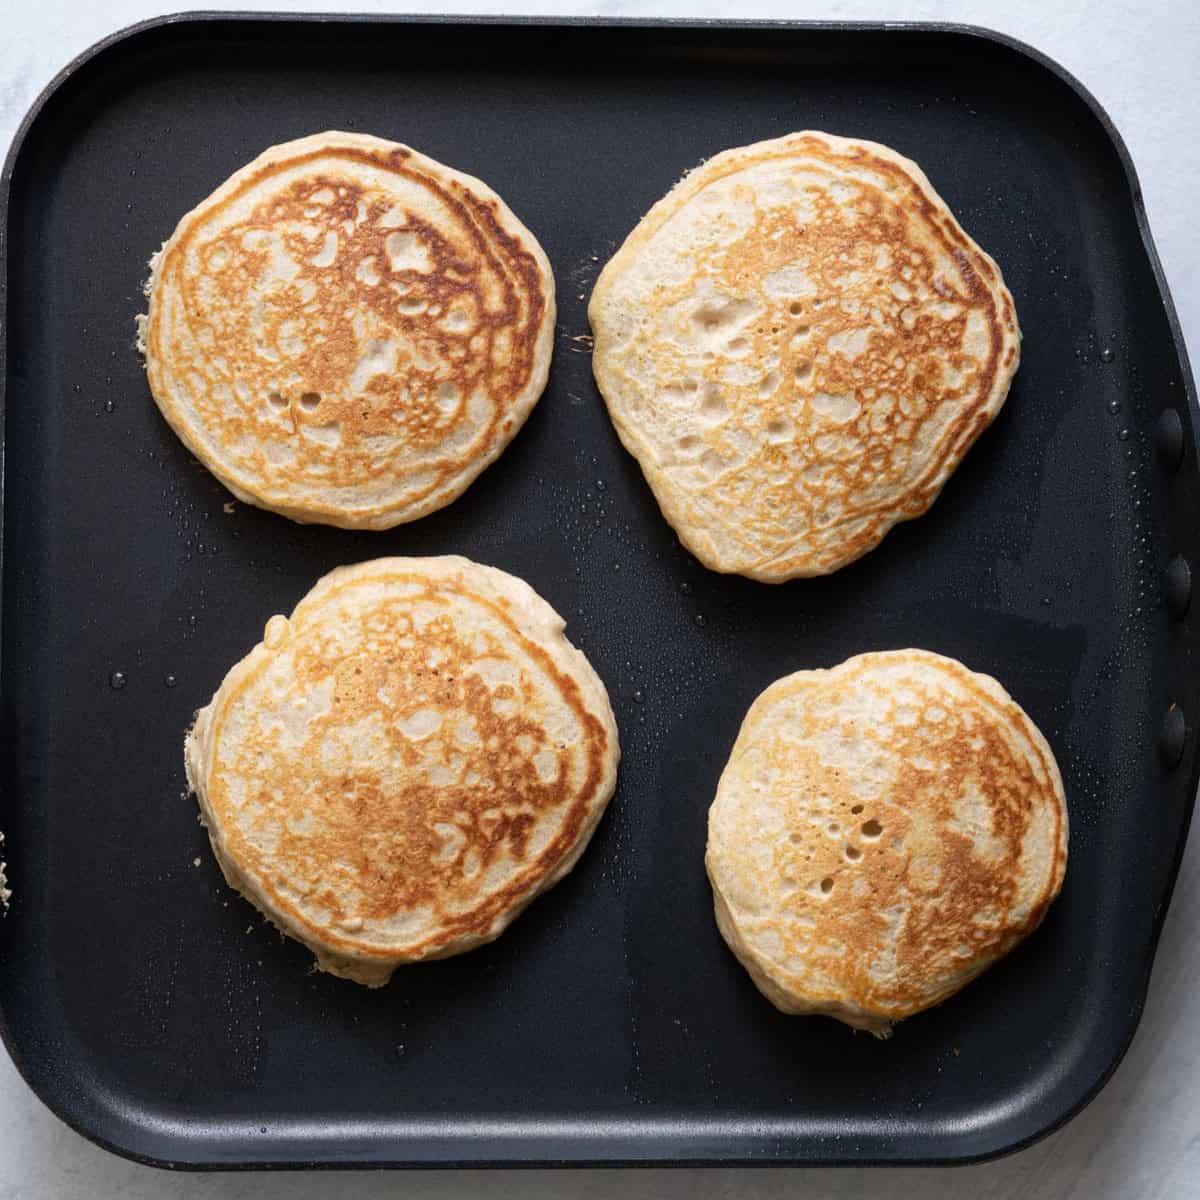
(155, 1012)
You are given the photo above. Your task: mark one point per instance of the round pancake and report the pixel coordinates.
(799, 343)
(348, 332)
(402, 765)
(882, 833)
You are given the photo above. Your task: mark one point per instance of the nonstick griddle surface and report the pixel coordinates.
(154, 1010)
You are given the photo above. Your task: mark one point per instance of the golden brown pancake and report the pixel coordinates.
(402, 765)
(882, 833)
(347, 331)
(799, 343)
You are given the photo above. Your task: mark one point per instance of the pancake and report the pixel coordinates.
(799, 343)
(882, 833)
(402, 765)
(348, 332)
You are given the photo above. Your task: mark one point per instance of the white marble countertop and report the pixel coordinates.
(1140, 1140)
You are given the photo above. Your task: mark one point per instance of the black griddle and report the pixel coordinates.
(153, 1010)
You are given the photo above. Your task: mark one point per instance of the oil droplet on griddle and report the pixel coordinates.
(1107, 354)
(170, 680)
(117, 680)
(639, 696)
(1114, 406)
(700, 619)
(685, 589)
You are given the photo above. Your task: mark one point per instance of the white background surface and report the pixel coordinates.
(1140, 1140)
